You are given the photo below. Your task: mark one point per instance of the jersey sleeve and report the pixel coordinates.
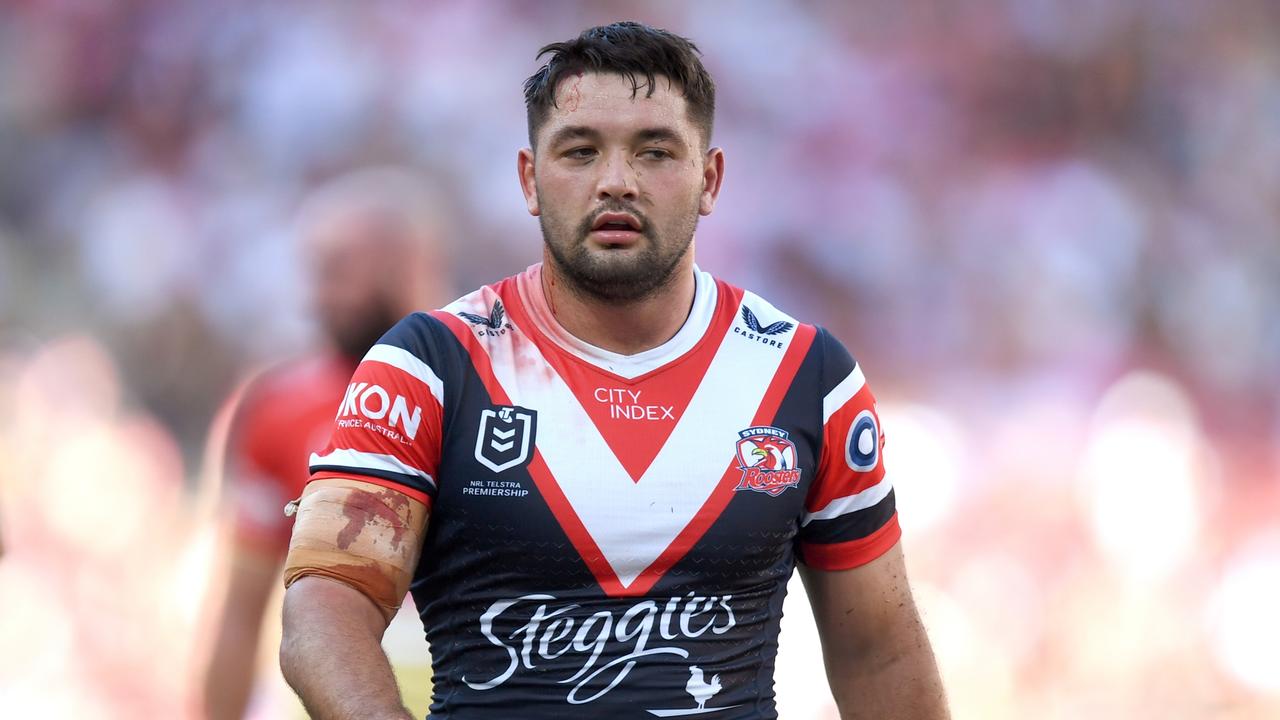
(850, 515)
(257, 482)
(389, 423)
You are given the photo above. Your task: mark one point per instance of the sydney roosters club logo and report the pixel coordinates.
(767, 460)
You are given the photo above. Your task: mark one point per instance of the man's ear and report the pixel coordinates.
(524, 167)
(712, 176)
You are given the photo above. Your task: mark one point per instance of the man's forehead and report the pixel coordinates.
(577, 89)
(617, 83)
(609, 101)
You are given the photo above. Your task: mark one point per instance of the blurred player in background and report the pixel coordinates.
(370, 243)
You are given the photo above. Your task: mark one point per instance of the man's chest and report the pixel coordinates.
(638, 482)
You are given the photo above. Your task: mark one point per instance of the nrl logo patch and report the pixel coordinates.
(767, 460)
(505, 437)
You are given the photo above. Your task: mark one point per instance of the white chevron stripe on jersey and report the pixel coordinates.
(683, 475)
(404, 360)
(850, 503)
(357, 460)
(842, 393)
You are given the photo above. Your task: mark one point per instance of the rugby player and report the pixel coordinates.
(597, 476)
(371, 243)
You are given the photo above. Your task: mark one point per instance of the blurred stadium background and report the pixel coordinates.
(1049, 229)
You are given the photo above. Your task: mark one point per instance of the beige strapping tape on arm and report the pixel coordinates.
(358, 534)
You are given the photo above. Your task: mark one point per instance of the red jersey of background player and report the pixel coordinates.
(284, 415)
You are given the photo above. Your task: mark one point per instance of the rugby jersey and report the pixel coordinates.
(612, 535)
(281, 417)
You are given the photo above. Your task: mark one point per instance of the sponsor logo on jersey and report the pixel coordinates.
(628, 404)
(535, 630)
(767, 459)
(494, 324)
(372, 407)
(862, 446)
(764, 334)
(505, 437)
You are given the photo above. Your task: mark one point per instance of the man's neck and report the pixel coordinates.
(624, 328)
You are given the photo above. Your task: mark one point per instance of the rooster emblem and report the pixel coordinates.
(771, 456)
(493, 322)
(767, 458)
(700, 689)
(753, 323)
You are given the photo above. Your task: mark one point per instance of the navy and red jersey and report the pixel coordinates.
(281, 417)
(612, 535)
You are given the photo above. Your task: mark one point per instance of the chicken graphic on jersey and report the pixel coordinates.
(771, 457)
(701, 690)
(767, 459)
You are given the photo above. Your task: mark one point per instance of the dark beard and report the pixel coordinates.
(613, 282)
(355, 341)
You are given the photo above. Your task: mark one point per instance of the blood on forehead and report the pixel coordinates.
(573, 95)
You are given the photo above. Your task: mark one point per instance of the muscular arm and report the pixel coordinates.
(878, 658)
(350, 561)
(228, 679)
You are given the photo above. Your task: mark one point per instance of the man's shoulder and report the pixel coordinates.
(484, 307)
(760, 319)
(761, 316)
(763, 321)
(436, 344)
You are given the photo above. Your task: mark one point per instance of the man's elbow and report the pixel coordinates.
(292, 639)
(883, 649)
(289, 653)
(903, 641)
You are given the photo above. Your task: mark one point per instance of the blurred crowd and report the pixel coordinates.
(1049, 230)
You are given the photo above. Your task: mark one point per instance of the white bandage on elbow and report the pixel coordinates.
(359, 534)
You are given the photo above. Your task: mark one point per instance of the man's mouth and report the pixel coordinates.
(616, 229)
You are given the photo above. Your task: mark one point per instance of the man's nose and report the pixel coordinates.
(618, 178)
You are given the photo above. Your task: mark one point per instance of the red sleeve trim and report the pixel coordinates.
(848, 555)
(418, 495)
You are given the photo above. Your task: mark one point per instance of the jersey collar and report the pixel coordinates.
(529, 285)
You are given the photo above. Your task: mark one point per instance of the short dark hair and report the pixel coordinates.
(633, 50)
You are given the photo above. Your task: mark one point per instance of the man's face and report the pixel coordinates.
(617, 183)
(349, 275)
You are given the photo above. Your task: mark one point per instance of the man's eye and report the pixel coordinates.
(581, 153)
(655, 153)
